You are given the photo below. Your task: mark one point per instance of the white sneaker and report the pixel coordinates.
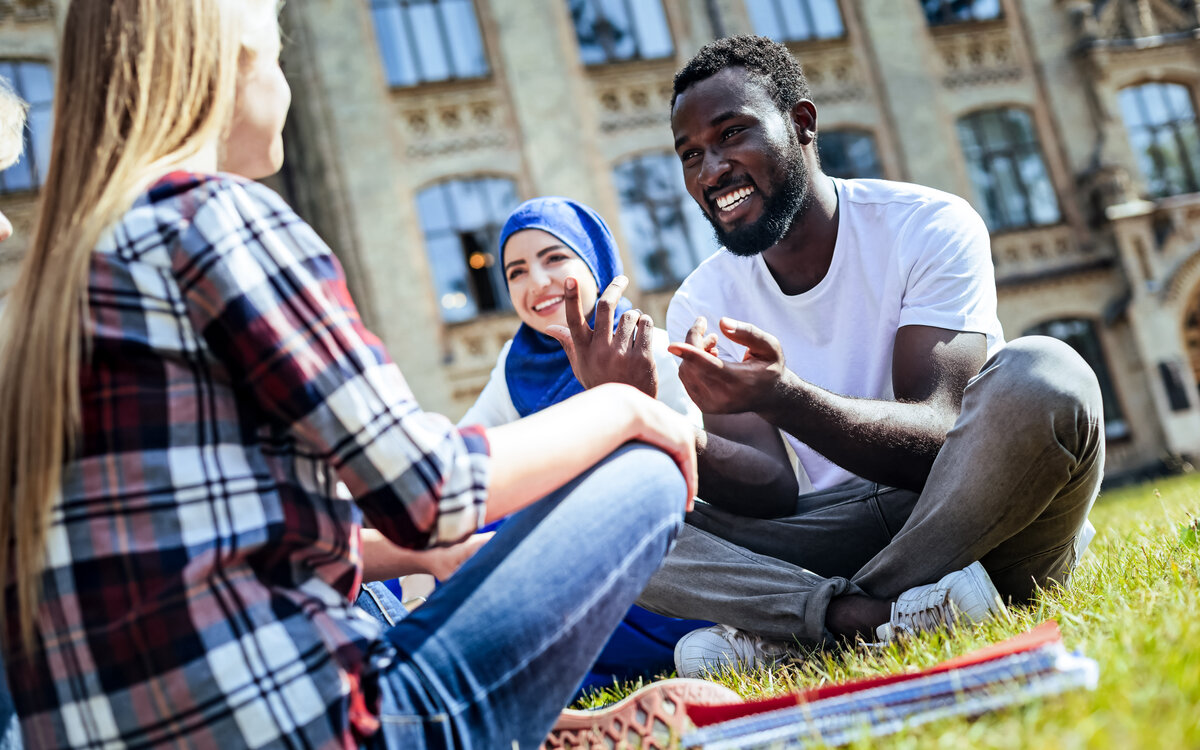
(721, 648)
(965, 595)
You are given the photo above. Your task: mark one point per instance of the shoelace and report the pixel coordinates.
(930, 615)
(758, 646)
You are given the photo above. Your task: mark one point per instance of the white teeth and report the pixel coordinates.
(729, 200)
(543, 305)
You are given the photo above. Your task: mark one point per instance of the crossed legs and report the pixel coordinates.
(1011, 487)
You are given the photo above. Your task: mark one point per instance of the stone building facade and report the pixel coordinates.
(417, 124)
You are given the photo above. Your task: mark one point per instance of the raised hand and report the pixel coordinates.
(605, 355)
(721, 387)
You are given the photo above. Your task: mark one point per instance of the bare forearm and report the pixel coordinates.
(743, 479)
(383, 560)
(890, 442)
(536, 455)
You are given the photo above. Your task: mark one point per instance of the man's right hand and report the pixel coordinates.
(721, 387)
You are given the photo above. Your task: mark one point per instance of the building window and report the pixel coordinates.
(848, 154)
(33, 83)
(796, 20)
(667, 233)
(615, 30)
(940, 12)
(461, 221)
(422, 41)
(1081, 336)
(1161, 122)
(1007, 170)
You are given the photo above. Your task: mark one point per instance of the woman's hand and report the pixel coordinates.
(443, 562)
(383, 559)
(604, 355)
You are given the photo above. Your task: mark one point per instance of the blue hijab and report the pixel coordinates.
(537, 370)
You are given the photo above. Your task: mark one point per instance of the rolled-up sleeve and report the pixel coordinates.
(271, 302)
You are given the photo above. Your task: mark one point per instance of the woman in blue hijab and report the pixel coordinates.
(544, 242)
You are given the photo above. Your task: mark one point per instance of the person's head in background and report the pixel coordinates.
(544, 242)
(145, 87)
(12, 127)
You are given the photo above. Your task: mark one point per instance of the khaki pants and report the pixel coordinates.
(1011, 487)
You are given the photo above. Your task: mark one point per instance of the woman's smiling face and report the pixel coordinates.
(536, 265)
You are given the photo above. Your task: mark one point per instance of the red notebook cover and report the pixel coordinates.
(1043, 634)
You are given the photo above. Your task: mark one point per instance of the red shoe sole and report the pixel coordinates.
(651, 718)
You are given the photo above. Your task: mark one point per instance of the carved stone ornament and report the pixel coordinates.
(1108, 22)
(639, 101)
(443, 124)
(978, 58)
(834, 75)
(26, 10)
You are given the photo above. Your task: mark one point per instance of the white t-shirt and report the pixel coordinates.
(495, 407)
(905, 255)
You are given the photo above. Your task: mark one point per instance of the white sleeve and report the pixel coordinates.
(670, 388)
(494, 406)
(947, 258)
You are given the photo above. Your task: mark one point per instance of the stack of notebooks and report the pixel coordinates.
(1033, 665)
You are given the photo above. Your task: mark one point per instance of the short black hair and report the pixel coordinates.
(770, 62)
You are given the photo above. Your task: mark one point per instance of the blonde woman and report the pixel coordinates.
(184, 380)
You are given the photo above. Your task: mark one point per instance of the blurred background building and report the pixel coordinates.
(418, 124)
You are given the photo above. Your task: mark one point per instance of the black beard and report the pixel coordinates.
(788, 201)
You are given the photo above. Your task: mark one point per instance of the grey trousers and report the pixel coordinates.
(1011, 487)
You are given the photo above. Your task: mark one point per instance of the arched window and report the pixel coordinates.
(796, 20)
(848, 154)
(1161, 122)
(615, 30)
(461, 220)
(428, 40)
(1080, 334)
(33, 83)
(667, 232)
(941, 12)
(1007, 170)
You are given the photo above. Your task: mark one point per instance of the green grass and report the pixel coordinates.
(1133, 606)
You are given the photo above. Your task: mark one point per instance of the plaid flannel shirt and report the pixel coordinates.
(200, 567)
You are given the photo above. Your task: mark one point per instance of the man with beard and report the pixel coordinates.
(949, 472)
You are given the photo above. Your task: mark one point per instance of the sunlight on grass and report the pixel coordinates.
(1133, 606)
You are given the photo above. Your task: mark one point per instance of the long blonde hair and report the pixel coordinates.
(143, 86)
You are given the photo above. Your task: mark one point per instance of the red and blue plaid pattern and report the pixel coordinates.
(200, 567)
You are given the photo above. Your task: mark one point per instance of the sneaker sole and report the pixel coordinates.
(651, 718)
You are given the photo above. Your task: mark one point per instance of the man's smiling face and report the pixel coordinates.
(742, 161)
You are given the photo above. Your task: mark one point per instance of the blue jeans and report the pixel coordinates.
(494, 655)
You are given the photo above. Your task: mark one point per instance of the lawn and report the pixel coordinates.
(1133, 606)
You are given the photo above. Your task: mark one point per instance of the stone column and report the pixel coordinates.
(551, 98)
(904, 59)
(346, 76)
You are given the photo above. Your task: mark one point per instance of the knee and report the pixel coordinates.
(1041, 380)
(1044, 375)
(646, 484)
